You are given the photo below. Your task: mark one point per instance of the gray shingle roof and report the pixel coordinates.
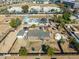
(21, 33)
(76, 5)
(38, 33)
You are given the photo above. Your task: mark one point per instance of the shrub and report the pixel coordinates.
(45, 48)
(23, 51)
(14, 23)
(33, 26)
(25, 8)
(50, 51)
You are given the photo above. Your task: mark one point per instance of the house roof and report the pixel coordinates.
(41, 0)
(21, 33)
(69, 0)
(16, 9)
(43, 20)
(38, 33)
(76, 5)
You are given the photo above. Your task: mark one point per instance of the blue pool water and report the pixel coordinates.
(34, 20)
(26, 19)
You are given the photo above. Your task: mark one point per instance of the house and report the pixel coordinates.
(22, 34)
(77, 16)
(33, 34)
(69, 0)
(47, 1)
(55, 1)
(41, 1)
(51, 9)
(34, 9)
(76, 5)
(44, 9)
(38, 34)
(15, 10)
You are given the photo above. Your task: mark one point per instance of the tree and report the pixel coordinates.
(45, 48)
(18, 21)
(62, 40)
(50, 51)
(66, 17)
(23, 51)
(25, 8)
(77, 46)
(71, 40)
(14, 23)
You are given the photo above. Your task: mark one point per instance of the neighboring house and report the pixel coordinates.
(2, 1)
(15, 10)
(47, 1)
(32, 1)
(55, 1)
(13, 1)
(76, 5)
(69, 0)
(51, 9)
(48, 9)
(41, 1)
(77, 16)
(69, 3)
(34, 9)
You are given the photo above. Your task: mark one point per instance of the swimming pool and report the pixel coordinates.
(34, 20)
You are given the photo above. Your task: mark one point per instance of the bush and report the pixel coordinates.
(25, 8)
(23, 51)
(14, 23)
(77, 45)
(33, 26)
(18, 22)
(62, 40)
(66, 17)
(50, 51)
(45, 48)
